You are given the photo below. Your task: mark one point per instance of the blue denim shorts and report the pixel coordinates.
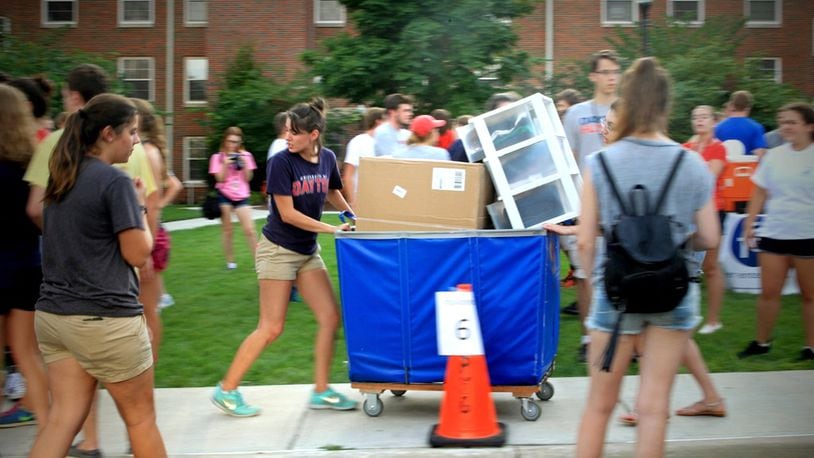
(603, 315)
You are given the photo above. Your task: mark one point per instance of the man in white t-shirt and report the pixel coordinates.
(279, 143)
(392, 134)
(362, 145)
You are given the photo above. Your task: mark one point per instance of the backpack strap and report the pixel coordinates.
(612, 182)
(668, 181)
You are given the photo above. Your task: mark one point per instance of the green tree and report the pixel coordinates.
(446, 54)
(705, 66)
(46, 56)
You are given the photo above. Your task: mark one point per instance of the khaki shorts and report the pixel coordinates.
(109, 349)
(274, 262)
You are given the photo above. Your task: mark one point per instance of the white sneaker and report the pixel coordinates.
(231, 265)
(166, 301)
(15, 386)
(709, 328)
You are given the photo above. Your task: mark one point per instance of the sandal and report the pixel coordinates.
(629, 419)
(700, 408)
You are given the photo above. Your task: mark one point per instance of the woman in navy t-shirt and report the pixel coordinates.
(299, 181)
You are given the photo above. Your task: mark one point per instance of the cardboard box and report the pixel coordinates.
(421, 195)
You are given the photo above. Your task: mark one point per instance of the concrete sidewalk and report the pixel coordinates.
(770, 414)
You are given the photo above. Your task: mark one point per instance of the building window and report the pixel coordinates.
(616, 12)
(5, 29)
(136, 13)
(59, 13)
(763, 13)
(689, 11)
(329, 13)
(769, 68)
(195, 13)
(196, 74)
(196, 160)
(138, 75)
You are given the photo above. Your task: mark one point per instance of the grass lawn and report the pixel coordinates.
(215, 309)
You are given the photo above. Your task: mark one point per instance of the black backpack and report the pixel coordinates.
(644, 271)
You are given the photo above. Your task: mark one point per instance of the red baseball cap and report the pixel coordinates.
(424, 124)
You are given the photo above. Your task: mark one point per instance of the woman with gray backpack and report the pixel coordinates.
(652, 200)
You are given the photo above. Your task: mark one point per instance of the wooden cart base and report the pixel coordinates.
(529, 409)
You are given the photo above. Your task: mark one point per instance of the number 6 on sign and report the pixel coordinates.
(457, 325)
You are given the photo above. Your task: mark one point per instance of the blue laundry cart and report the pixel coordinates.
(388, 282)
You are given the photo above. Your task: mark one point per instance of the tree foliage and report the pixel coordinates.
(705, 66)
(446, 54)
(47, 57)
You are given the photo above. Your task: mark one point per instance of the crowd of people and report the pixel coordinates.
(87, 312)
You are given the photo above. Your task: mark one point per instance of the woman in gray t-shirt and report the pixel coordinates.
(90, 325)
(641, 153)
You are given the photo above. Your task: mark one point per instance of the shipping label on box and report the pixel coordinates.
(421, 195)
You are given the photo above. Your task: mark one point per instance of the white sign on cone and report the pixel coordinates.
(457, 325)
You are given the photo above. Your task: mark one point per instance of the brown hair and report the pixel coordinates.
(603, 54)
(571, 96)
(151, 130)
(644, 100)
(17, 133)
(232, 130)
(88, 80)
(307, 117)
(370, 117)
(82, 130)
(392, 101)
(741, 100)
(445, 115)
(805, 110)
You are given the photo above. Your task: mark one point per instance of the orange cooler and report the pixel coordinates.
(736, 184)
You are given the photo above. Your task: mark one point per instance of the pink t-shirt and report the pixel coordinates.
(234, 186)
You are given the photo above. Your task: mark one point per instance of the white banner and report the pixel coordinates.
(739, 262)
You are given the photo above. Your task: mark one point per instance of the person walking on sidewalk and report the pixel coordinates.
(233, 168)
(89, 323)
(299, 182)
(641, 153)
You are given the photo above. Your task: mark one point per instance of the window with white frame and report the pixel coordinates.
(5, 27)
(195, 13)
(196, 160)
(138, 75)
(137, 13)
(689, 11)
(615, 12)
(196, 75)
(769, 68)
(59, 13)
(329, 13)
(763, 13)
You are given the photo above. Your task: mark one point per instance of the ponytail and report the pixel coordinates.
(82, 130)
(307, 117)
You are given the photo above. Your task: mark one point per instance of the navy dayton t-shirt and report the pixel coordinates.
(288, 174)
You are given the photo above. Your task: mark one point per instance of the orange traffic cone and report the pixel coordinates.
(468, 417)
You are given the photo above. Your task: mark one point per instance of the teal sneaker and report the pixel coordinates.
(16, 416)
(330, 399)
(232, 403)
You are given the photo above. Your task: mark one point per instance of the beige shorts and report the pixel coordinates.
(109, 349)
(274, 262)
(569, 244)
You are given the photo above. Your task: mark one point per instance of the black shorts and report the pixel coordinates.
(798, 248)
(23, 293)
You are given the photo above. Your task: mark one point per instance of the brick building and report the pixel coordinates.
(173, 52)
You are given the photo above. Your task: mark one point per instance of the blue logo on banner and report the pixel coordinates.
(738, 246)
